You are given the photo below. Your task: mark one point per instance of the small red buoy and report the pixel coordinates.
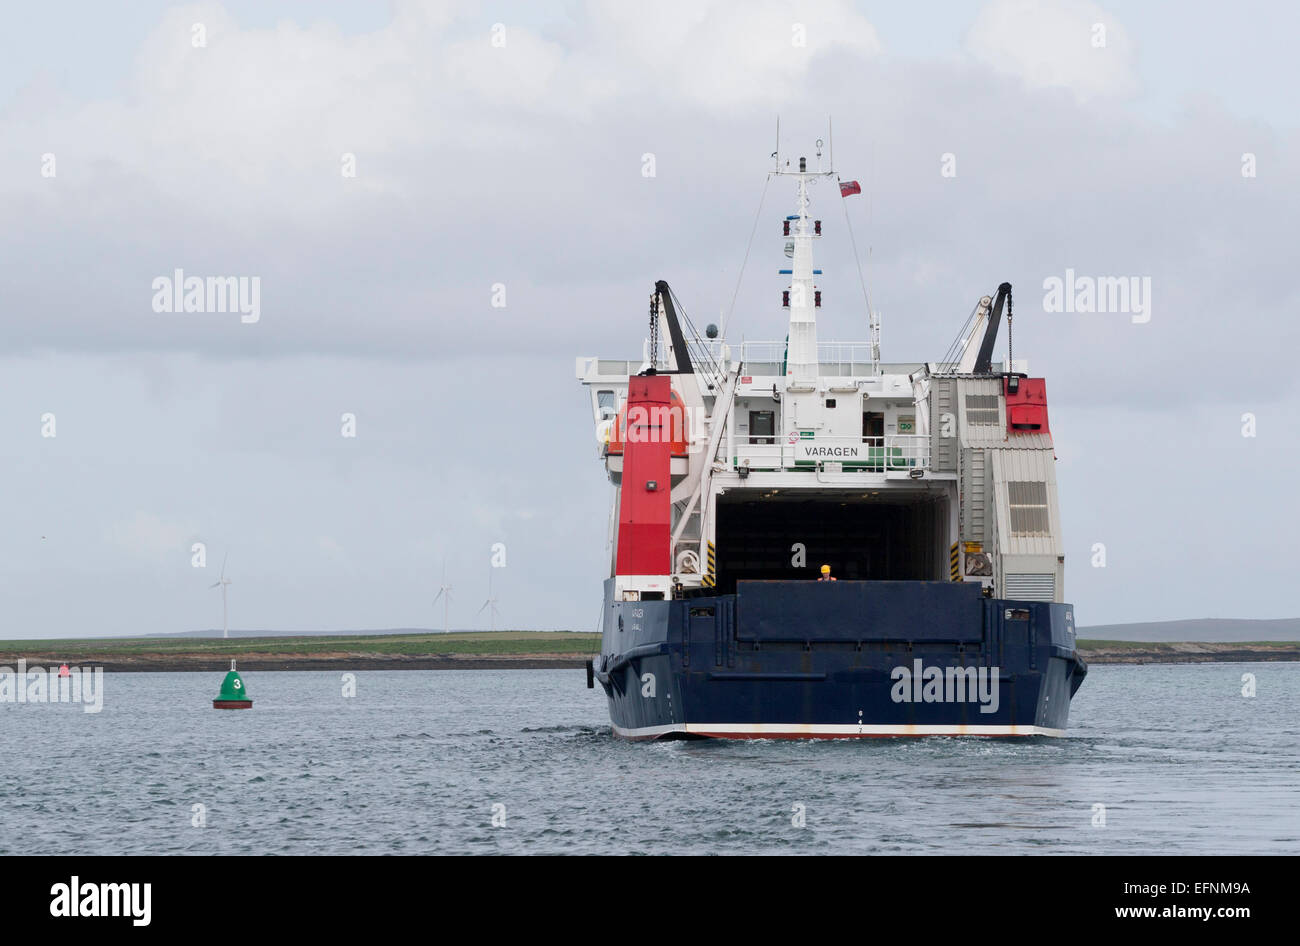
(64, 671)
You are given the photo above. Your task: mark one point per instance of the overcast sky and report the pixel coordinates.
(130, 149)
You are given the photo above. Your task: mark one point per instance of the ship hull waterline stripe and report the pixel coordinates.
(827, 731)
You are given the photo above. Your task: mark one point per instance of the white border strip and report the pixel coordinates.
(826, 731)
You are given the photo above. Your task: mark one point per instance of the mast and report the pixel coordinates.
(801, 359)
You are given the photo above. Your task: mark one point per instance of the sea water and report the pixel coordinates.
(1159, 759)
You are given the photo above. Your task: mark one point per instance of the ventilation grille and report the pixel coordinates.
(1027, 502)
(1031, 587)
(982, 409)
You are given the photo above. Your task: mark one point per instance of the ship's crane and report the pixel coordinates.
(988, 314)
(676, 338)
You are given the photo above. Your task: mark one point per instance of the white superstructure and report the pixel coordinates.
(797, 453)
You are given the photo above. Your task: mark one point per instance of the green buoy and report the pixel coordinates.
(233, 694)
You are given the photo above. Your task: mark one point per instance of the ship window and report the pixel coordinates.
(607, 403)
(830, 402)
(762, 426)
(873, 424)
(981, 408)
(1027, 502)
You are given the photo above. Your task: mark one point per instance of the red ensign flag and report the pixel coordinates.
(849, 187)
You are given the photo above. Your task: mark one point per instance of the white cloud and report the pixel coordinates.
(260, 117)
(1050, 44)
(720, 55)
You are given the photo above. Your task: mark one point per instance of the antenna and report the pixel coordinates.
(875, 338)
(444, 592)
(830, 140)
(221, 583)
(776, 155)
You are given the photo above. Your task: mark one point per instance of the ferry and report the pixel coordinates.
(808, 542)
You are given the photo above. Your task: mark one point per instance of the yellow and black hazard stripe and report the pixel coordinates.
(711, 573)
(954, 563)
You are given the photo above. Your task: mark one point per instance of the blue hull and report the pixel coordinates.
(848, 659)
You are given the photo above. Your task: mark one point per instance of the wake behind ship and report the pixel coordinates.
(741, 477)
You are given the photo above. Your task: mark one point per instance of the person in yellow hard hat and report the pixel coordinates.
(826, 574)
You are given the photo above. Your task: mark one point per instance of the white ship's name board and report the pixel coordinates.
(811, 450)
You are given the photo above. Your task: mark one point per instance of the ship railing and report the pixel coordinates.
(895, 453)
(767, 358)
(833, 358)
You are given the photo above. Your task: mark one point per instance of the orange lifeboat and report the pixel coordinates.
(672, 426)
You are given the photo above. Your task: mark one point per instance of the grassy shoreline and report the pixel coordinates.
(457, 651)
(512, 650)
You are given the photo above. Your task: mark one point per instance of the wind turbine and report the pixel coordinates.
(444, 592)
(491, 602)
(221, 583)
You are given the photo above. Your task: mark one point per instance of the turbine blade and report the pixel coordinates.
(437, 597)
(215, 584)
(223, 563)
(482, 609)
